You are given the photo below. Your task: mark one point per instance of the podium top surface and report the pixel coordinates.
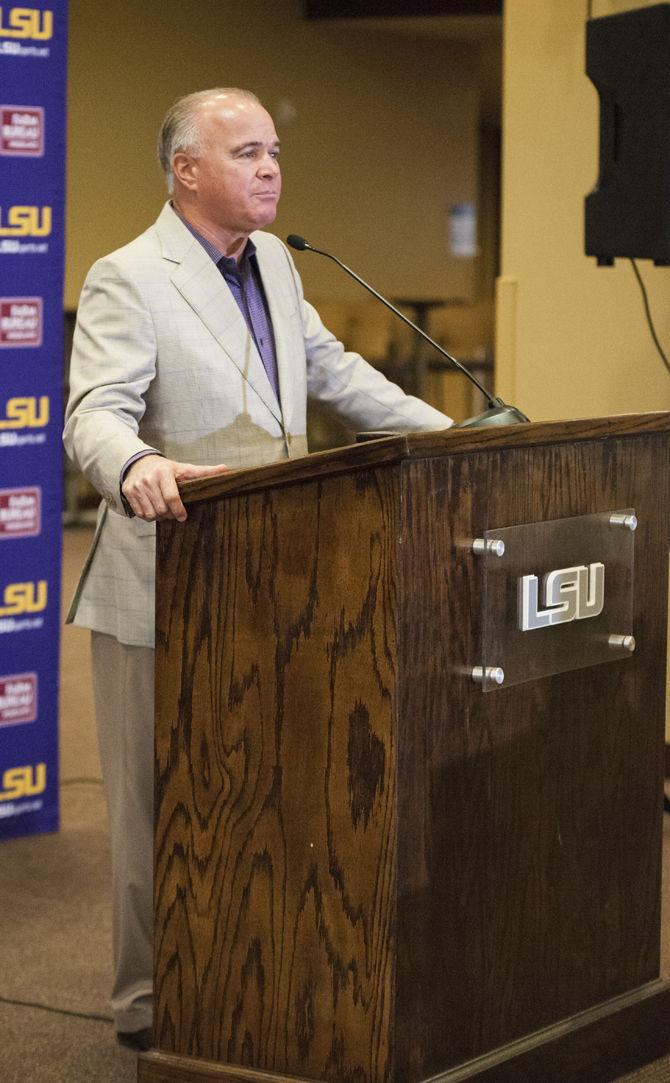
(389, 450)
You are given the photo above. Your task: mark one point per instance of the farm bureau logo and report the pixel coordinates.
(24, 221)
(18, 699)
(18, 604)
(19, 24)
(24, 413)
(22, 131)
(20, 513)
(20, 322)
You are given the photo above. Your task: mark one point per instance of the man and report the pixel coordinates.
(194, 353)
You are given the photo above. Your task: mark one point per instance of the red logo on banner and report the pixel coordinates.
(18, 699)
(20, 322)
(20, 513)
(22, 130)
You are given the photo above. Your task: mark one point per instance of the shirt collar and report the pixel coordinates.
(226, 263)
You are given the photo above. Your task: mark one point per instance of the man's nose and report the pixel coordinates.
(269, 166)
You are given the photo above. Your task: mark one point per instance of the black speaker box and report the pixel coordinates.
(628, 60)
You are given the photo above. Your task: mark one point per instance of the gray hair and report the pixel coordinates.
(181, 128)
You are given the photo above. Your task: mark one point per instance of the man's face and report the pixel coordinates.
(237, 181)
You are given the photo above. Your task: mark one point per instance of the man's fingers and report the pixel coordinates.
(189, 471)
(151, 486)
(173, 507)
(151, 490)
(140, 501)
(141, 507)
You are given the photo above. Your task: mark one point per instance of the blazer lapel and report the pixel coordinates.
(203, 287)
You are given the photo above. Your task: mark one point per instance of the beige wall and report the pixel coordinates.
(384, 137)
(572, 339)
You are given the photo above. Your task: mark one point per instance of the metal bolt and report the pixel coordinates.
(624, 519)
(626, 643)
(494, 674)
(494, 546)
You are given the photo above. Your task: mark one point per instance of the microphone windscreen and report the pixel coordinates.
(296, 241)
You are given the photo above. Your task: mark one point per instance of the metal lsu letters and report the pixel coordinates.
(568, 594)
(26, 781)
(26, 23)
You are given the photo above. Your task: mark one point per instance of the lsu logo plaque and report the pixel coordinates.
(569, 594)
(19, 598)
(28, 781)
(24, 221)
(26, 23)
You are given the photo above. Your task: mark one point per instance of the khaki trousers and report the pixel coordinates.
(123, 686)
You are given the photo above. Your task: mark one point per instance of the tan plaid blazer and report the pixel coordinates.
(162, 359)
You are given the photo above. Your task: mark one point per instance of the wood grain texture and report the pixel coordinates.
(368, 870)
(394, 449)
(599, 1045)
(529, 856)
(275, 834)
(157, 1067)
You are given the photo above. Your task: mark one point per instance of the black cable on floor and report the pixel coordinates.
(57, 1011)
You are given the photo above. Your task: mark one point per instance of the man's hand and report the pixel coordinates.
(150, 486)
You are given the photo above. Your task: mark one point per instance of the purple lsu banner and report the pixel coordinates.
(32, 201)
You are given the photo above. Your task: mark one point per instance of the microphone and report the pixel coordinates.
(499, 413)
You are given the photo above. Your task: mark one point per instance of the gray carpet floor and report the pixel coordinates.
(55, 929)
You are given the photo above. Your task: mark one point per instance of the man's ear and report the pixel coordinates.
(185, 170)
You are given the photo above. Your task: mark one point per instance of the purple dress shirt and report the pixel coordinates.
(245, 284)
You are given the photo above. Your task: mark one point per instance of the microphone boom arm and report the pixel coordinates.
(498, 412)
(491, 401)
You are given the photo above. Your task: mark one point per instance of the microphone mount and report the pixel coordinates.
(498, 413)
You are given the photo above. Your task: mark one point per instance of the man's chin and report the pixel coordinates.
(266, 218)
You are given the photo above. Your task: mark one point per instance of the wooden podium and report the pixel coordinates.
(368, 869)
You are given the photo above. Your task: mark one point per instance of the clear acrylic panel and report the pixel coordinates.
(559, 598)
